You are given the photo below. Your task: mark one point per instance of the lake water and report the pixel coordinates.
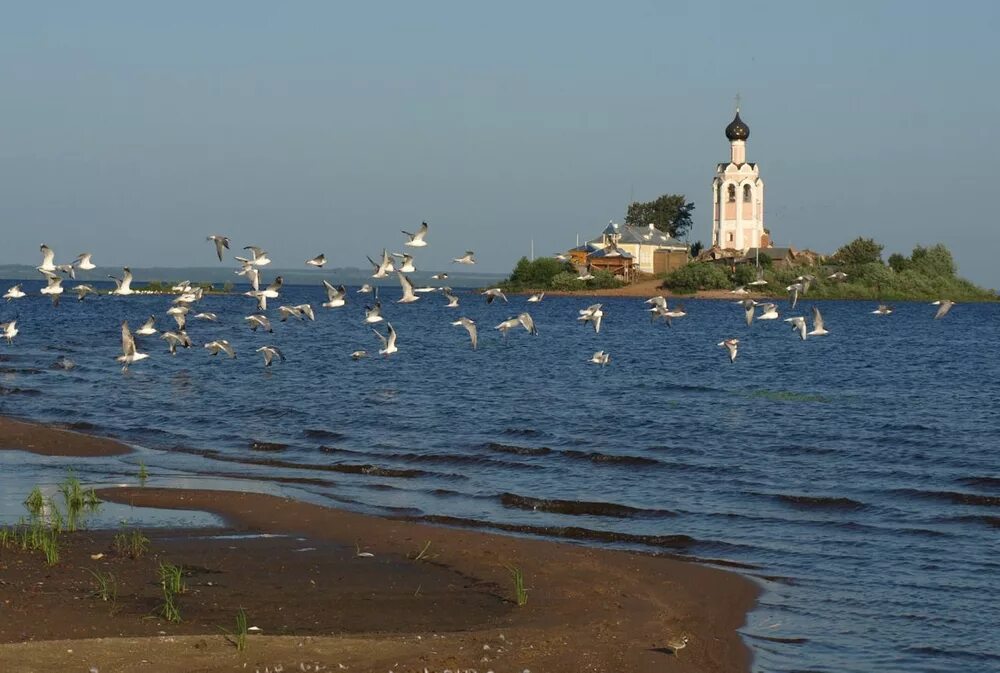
(856, 476)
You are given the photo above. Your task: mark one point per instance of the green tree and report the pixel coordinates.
(933, 261)
(860, 251)
(698, 276)
(670, 213)
(696, 248)
(898, 262)
(537, 274)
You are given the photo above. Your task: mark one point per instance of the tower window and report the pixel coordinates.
(746, 193)
(732, 192)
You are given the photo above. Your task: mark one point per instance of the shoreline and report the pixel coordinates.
(312, 593)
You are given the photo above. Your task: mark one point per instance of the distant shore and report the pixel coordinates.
(340, 588)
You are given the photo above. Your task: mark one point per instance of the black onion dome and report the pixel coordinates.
(737, 130)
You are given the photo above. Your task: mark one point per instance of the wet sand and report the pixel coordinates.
(320, 603)
(52, 441)
(651, 288)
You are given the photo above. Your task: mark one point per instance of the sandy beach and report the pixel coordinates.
(331, 589)
(651, 288)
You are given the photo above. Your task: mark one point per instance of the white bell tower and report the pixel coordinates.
(738, 195)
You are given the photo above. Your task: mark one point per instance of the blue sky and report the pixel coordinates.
(134, 130)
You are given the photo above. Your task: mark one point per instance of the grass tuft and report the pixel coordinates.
(520, 593)
(105, 586)
(132, 543)
(238, 637)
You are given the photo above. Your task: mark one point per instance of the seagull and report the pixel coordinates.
(677, 312)
(731, 345)
(258, 320)
(373, 314)
(407, 266)
(388, 343)
(408, 296)
(123, 287)
(883, 309)
(183, 287)
(175, 339)
(179, 314)
(838, 276)
(944, 305)
(14, 293)
(258, 256)
(54, 289)
(147, 328)
(535, 298)
(601, 358)
(507, 325)
(793, 292)
(593, 314)
(748, 307)
(208, 315)
(9, 331)
(818, 329)
(585, 275)
(317, 261)
(758, 282)
(220, 243)
(364, 288)
(129, 353)
(470, 327)
(768, 311)
(452, 299)
(561, 257)
(740, 290)
(417, 239)
(528, 322)
(272, 291)
(48, 259)
(335, 296)
(468, 258)
(385, 268)
(439, 276)
(271, 352)
(357, 355)
(82, 290)
(67, 269)
(494, 293)
(299, 311)
(220, 345)
(798, 323)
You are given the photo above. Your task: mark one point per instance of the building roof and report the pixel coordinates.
(611, 251)
(737, 130)
(639, 236)
(773, 253)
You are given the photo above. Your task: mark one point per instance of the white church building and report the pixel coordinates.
(738, 196)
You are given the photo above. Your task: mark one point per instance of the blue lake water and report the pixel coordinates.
(856, 476)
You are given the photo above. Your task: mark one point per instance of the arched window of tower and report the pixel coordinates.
(732, 192)
(746, 193)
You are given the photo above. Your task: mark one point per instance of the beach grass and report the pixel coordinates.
(105, 586)
(422, 555)
(238, 637)
(520, 593)
(132, 543)
(172, 577)
(143, 473)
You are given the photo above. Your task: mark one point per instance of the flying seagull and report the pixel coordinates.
(838, 276)
(883, 309)
(798, 323)
(417, 239)
(258, 320)
(494, 293)
(407, 266)
(9, 331)
(388, 343)
(54, 288)
(385, 268)
(222, 345)
(335, 296)
(147, 328)
(220, 243)
(318, 261)
(468, 258)
(768, 311)
(48, 258)
(175, 339)
(129, 353)
(373, 314)
(14, 293)
(408, 296)
(749, 305)
(600, 358)
(944, 305)
(452, 299)
(470, 327)
(123, 287)
(357, 355)
(271, 352)
(818, 329)
(439, 276)
(731, 345)
(535, 298)
(592, 314)
(258, 256)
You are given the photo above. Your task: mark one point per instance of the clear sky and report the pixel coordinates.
(135, 129)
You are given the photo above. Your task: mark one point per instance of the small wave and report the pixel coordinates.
(322, 434)
(819, 502)
(955, 497)
(518, 450)
(597, 457)
(571, 532)
(453, 459)
(578, 507)
(775, 639)
(992, 483)
(521, 432)
(991, 521)
(269, 447)
(20, 370)
(78, 426)
(27, 392)
(787, 396)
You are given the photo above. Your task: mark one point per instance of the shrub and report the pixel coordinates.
(860, 251)
(536, 274)
(933, 261)
(697, 276)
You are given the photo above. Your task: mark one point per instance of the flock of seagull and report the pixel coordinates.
(256, 258)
